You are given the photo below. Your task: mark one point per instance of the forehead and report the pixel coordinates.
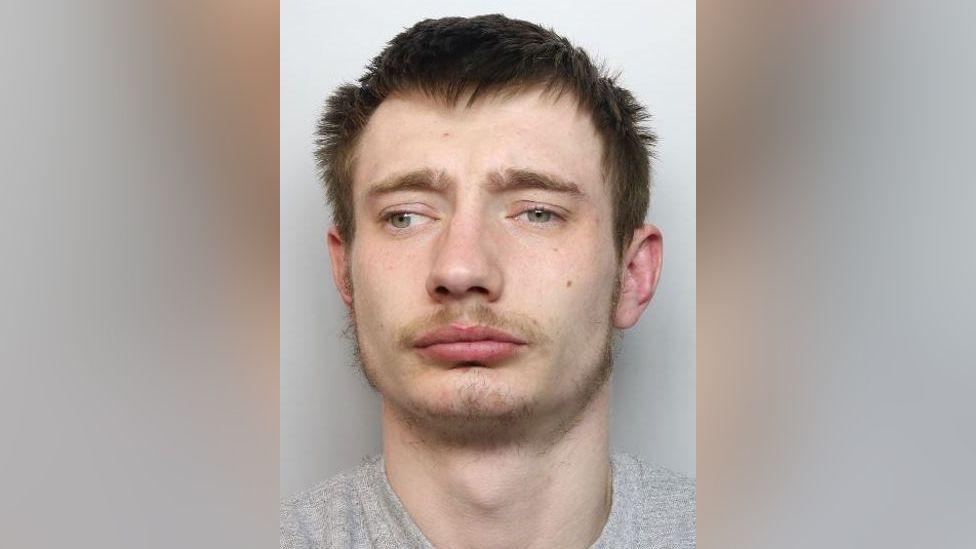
(529, 130)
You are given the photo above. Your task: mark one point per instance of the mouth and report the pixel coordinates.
(468, 345)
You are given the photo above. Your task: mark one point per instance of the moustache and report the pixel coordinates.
(523, 326)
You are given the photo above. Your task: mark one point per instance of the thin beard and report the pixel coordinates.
(502, 430)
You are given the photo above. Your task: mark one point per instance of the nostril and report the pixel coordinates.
(444, 290)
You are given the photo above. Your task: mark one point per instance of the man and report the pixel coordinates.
(489, 187)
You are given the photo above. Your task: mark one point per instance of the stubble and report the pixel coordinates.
(485, 417)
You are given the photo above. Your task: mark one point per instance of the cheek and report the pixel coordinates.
(570, 286)
(386, 281)
(580, 265)
(591, 287)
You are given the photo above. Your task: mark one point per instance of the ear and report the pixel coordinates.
(639, 276)
(339, 253)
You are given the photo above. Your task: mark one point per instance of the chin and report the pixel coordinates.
(471, 419)
(474, 392)
(482, 408)
(467, 394)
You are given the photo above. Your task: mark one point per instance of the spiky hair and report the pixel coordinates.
(454, 57)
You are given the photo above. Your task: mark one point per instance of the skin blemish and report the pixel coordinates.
(569, 283)
(446, 134)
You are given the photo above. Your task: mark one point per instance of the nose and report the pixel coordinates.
(465, 264)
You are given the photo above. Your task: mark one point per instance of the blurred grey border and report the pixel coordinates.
(837, 317)
(139, 274)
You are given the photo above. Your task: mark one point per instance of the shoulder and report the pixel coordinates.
(665, 486)
(658, 503)
(326, 515)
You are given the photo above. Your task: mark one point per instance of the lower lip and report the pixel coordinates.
(470, 351)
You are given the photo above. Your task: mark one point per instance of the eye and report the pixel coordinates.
(405, 220)
(539, 215)
(401, 220)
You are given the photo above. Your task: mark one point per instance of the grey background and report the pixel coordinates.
(329, 417)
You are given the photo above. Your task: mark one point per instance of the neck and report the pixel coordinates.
(553, 495)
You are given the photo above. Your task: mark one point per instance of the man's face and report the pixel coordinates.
(483, 268)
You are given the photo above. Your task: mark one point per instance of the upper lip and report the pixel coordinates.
(458, 334)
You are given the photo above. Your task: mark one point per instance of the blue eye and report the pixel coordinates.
(539, 215)
(401, 220)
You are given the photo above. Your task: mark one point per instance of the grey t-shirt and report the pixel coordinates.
(357, 509)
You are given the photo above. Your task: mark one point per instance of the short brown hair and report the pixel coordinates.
(454, 56)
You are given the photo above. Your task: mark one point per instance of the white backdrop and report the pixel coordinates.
(329, 417)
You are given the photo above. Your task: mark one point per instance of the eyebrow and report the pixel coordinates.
(417, 180)
(517, 179)
(511, 179)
